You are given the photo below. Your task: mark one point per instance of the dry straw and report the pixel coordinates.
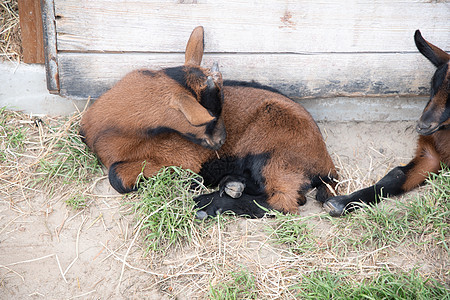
(10, 42)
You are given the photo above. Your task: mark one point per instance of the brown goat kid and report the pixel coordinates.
(273, 152)
(152, 119)
(433, 146)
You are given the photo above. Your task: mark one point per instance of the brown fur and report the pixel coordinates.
(435, 148)
(270, 122)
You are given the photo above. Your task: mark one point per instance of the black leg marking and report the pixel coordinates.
(116, 182)
(82, 135)
(389, 185)
(320, 183)
(214, 204)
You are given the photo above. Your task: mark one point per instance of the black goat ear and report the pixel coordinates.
(195, 47)
(196, 114)
(437, 56)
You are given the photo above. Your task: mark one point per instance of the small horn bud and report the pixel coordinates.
(215, 67)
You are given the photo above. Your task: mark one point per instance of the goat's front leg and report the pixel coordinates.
(399, 180)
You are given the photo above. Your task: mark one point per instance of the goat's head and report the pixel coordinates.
(436, 114)
(201, 98)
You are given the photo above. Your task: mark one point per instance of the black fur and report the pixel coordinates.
(438, 79)
(208, 98)
(179, 75)
(159, 130)
(249, 168)
(214, 204)
(82, 135)
(147, 73)
(188, 136)
(426, 50)
(209, 101)
(116, 182)
(252, 84)
(389, 185)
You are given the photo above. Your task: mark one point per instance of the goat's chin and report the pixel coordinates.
(209, 145)
(430, 131)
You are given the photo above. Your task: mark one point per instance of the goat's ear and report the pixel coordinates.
(196, 114)
(194, 48)
(437, 56)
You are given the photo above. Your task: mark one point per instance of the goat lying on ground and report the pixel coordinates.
(433, 144)
(273, 152)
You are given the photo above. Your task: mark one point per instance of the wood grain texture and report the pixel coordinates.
(50, 51)
(321, 75)
(31, 31)
(278, 26)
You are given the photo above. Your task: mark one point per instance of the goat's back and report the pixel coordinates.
(263, 121)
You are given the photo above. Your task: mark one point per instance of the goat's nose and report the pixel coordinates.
(422, 126)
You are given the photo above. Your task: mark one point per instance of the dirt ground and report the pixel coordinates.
(50, 251)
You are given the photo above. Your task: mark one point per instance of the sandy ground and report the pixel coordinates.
(48, 251)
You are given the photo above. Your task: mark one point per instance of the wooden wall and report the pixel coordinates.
(31, 31)
(305, 48)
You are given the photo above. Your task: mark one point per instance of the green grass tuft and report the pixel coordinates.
(292, 231)
(422, 219)
(241, 286)
(165, 203)
(77, 202)
(12, 136)
(386, 285)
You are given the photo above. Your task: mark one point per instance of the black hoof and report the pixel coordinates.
(233, 189)
(335, 206)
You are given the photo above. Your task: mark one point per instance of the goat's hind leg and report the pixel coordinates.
(123, 175)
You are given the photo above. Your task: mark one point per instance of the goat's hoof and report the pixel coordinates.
(233, 189)
(334, 206)
(201, 214)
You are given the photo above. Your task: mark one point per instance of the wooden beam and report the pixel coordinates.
(31, 31)
(237, 26)
(51, 60)
(298, 76)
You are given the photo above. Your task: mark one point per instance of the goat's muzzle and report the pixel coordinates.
(425, 128)
(215, 143)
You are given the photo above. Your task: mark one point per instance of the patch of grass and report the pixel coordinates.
(76, 202)
(292, 231)
(386, 285)
(12, 136)
(429, 214)
(240, 286)
(421, 219)
(165, 204)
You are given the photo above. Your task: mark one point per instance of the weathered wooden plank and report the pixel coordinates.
(51, 61)
(277, 26)
(31, 31)
(320, 75)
